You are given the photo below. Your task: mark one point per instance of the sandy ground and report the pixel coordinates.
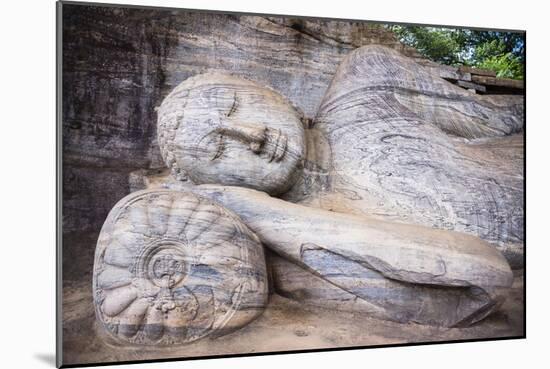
(285, 325)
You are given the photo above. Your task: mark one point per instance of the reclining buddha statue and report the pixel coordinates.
(402, 199)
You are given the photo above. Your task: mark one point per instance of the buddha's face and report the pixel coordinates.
(226, 130)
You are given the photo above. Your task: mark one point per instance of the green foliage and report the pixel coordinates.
(493, 55)
(505, 66)
(502, 52)
(439, 45)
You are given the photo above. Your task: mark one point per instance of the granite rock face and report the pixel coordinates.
(399, 192)
(171, 267)
(408, 146)
(120, 63)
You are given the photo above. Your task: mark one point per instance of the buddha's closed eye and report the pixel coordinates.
(268, 143)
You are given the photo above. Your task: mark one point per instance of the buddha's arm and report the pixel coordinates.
(407, 256)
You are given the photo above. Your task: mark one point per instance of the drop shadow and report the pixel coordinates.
(46, 358)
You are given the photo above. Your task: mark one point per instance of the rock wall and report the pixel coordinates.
(476, 80)
(119, 63)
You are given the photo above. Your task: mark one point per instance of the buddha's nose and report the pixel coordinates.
(253, 134)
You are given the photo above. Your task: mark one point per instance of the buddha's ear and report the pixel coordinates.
(221, 101)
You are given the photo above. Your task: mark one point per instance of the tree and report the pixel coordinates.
(502, 52)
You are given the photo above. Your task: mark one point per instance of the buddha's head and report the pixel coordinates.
(217, 128)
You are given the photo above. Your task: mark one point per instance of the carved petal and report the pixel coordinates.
(114, 277)
(117, 300)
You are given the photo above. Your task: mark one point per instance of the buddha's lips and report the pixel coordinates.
(277, 150)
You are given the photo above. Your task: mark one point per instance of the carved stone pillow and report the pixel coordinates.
(172, 267)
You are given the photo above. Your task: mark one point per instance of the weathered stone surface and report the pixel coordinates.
(449, 72)
(486, 80)
(378, 103)
(472, 86)
(217, 128)
(477, 71)
(393, 271)
(285, 325)
(294, 282)
(410, 147)
(402, 272)
(120, 63)
(360, 139)
(116, 72)
(171, 267)
(500, 82)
